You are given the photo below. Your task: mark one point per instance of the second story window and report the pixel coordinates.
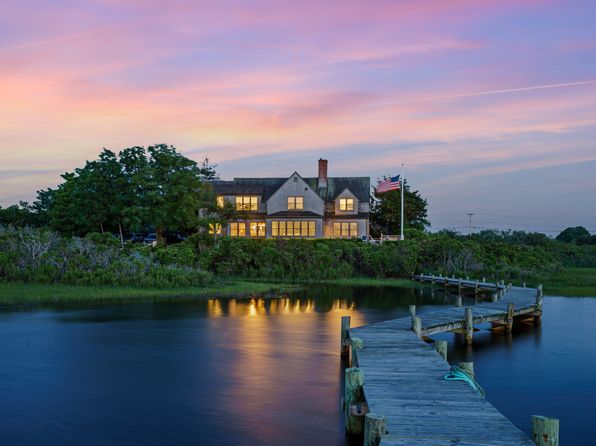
(295, 203)
(346, 204)
(220, 201)
(246, 203)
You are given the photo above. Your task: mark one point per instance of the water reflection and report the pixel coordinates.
(248, 371)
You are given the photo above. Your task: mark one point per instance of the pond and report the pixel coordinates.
(256, 371)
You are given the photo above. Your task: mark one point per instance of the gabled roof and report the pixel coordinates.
(359, 186)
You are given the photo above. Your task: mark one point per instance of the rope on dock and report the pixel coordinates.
(458, 374)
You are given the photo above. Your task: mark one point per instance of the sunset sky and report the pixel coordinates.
(491, 105)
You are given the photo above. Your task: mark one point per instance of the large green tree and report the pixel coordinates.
(385, 212)
(134, 189)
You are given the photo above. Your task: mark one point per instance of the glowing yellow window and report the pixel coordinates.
(295, 203)
(257, 229)
(246, 203)
(346, 204)
(274, 228)
(214, 229)
(237, 230)
(220, 201)
(336, 229)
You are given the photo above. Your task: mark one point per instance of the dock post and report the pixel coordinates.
(413, 310)
(353, 395)
(458, 302)
(509, 286)
(441, 348)
(497, 288)
(374, 429)
(545, 431)
(484, 280)
(345, 341)
(538, 311)
(469, 325)
(432, 278)
(524, 284)
(417, 325)
(476, 288)
(459, 286)
(467, 367)
(509, 320)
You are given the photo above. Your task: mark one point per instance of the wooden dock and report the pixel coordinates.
(404, 390)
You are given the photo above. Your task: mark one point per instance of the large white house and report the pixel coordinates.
(297, 207)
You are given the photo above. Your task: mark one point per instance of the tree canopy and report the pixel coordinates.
(137, 188)
(578, 235)
(386, 211)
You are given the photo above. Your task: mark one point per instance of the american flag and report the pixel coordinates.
(392, 183)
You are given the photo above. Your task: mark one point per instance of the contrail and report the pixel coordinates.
(489, 92)
(48, 41)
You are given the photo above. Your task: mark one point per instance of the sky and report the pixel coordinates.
(490, 105)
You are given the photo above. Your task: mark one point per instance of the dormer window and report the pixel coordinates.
(346, 204)
(246, 203)
(295, 203)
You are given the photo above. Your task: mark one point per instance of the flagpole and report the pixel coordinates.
(401, 226)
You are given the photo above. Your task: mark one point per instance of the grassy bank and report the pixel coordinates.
(17, 294)
(571, 282)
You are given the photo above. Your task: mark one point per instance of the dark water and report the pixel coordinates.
(260, 371)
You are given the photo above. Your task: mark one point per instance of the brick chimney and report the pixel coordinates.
(322, 173)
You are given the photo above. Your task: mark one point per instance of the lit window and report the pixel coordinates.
(274, 228)
(345, 229)
(293, 228)
(246, 203)
(346, 204)
(237, 230)
(220, 201)
(214, 229)
(295, 203)
(257, 229)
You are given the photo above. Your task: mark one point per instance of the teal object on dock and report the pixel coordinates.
(458, 374)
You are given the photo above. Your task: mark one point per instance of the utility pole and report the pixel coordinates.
(469, 214)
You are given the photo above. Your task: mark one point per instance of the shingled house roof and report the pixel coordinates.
(359, 186)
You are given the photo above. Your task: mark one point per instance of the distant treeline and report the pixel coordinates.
(39, 255)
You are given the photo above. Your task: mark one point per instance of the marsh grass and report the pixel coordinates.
(19, 294)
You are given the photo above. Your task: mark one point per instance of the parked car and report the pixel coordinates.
(151, 239)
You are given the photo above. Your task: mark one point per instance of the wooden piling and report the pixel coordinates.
(375, 426)
(469, 325)
(467, 367)
(417, 325)
(459, 286)
(344, 337)
(524, 284)
(484, 280)
(545, 431)
(476, 288)
(458, 302)
(509, 320)
(412, 310)
(441, 348)
(538, 306)
(353, 395)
